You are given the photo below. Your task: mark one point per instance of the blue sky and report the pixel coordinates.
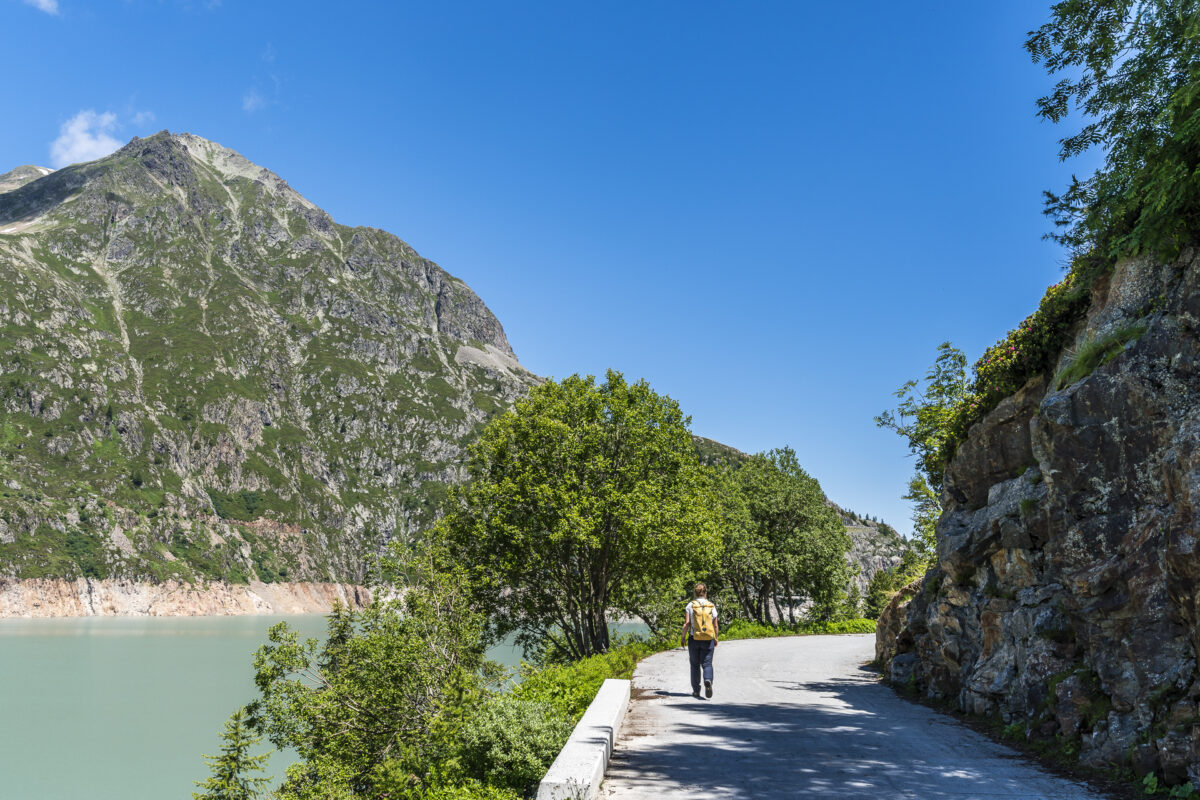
(773, 212)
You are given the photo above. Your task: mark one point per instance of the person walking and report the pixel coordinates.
(699, 635)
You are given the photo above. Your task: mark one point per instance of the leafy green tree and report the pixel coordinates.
(926, 511)
(233, 770)
(363, 710)
(1133, 69)
(852, 605)
(797, 540)
(746, 564)
(585, 500)
(924, 417)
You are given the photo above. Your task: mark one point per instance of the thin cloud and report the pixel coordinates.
(252, 101)
(49, 6)
(143, 118)
(84, 137)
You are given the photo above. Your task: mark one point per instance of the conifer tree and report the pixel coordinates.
(233, 770)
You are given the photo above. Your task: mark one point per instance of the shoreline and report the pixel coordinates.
(44, 598)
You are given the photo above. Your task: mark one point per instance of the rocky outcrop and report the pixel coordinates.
(87, 597)
(873, 548)
(1065, 595)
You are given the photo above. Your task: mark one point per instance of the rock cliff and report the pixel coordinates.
(1065, 594)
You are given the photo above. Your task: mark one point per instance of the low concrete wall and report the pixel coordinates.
(577, 772)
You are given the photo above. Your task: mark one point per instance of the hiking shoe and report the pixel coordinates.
(708, 688)
(696, 694)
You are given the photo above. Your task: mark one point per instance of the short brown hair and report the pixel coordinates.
(700, 590)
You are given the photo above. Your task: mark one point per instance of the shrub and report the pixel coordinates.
(244, 506)
(511, 742)
(470, 790)
(755, 630)
(570, 688)
(1024, 353)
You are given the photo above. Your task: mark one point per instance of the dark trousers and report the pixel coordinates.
(700, 654)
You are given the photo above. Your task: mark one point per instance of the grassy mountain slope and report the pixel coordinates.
(203, 375)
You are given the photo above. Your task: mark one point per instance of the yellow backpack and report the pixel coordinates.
(703, 629)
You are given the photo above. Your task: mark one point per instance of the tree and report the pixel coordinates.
(886, 582)
(364, 710)
(233, 770)
(1133, 71)
(745, 572)
(926, 511)
(795, 552)
(924, 417)
(584, 500)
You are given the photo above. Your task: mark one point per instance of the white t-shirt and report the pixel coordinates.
(688, 610)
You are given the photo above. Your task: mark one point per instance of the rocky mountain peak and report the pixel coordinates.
(22, 175)
(205, 375)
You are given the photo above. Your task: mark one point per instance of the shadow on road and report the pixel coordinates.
(838, 739)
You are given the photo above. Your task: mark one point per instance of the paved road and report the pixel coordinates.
(801, 717)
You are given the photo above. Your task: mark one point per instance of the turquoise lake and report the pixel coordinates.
(122, 708)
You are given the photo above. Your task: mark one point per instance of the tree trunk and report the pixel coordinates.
(791, 604)
(597, 628)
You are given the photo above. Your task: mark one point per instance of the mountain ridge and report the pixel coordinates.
(186, 334)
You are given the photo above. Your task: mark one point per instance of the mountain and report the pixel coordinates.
(874, 546)
(202, 375)
(21, 176)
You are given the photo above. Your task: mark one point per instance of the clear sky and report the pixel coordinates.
(773, 212)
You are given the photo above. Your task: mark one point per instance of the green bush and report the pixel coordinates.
(1026, 352)
(244, 506)
(570, 688)
(511, 742)
(470, 790)
(754, 630)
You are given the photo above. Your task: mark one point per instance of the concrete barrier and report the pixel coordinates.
(577, 772)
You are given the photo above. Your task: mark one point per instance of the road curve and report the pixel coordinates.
(802, 717)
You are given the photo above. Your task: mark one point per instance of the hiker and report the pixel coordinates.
(700, 637)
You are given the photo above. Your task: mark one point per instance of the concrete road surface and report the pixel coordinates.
(801, 717)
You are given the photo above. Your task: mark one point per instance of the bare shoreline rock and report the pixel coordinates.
(88, 597)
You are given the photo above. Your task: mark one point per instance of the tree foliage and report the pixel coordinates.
(925, 415)
(367, 710)
(1133, 70)
(585, 500)
(234, 770)
(931, 419)
(785, 547)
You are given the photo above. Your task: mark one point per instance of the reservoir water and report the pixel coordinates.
(122, 708)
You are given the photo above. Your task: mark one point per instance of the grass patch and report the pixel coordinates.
(1091, 353)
